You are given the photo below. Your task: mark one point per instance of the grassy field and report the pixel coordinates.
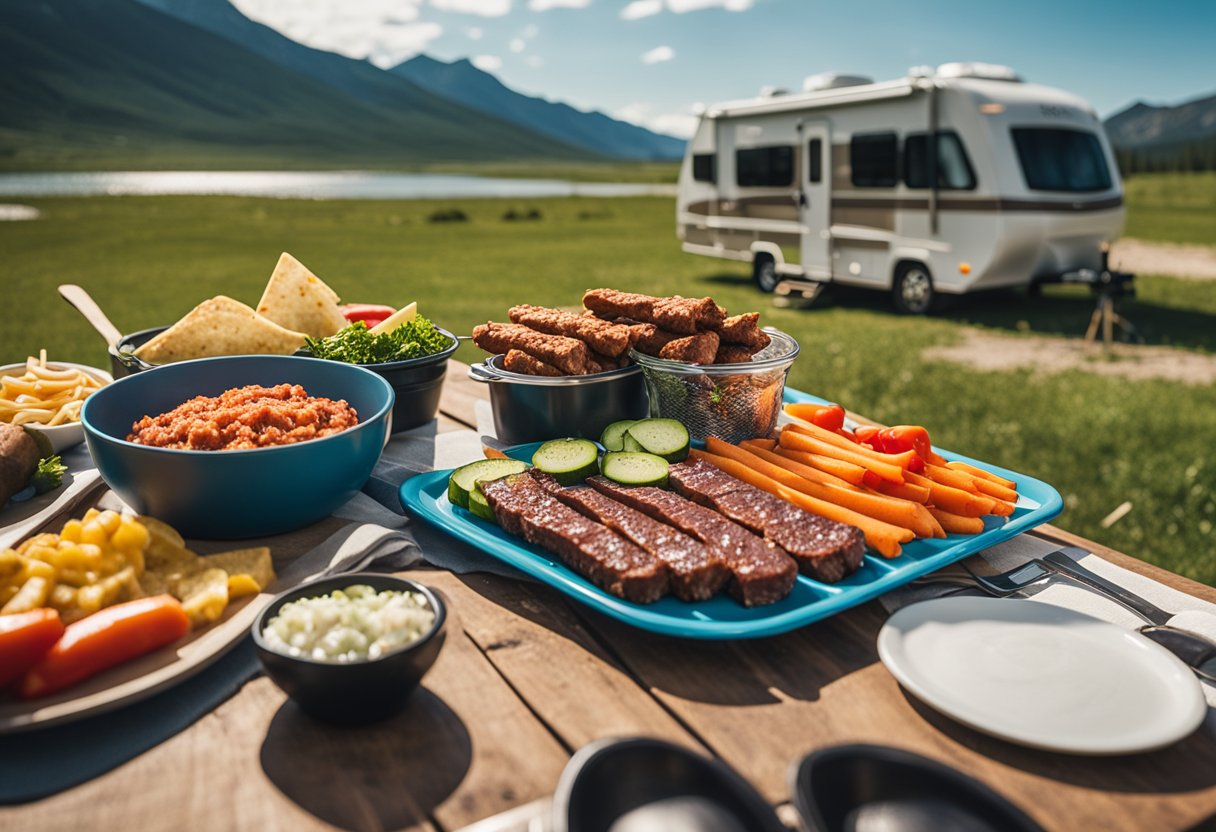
(1172, 207)
(1100, 440)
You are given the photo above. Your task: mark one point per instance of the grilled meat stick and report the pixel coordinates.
(566, 354)
(685, 316)
(518, 361)
(744, 329)
(605, 338)
(692, 349)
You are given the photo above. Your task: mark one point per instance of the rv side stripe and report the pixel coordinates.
(947, 204)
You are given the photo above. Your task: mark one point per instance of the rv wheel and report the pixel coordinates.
(765, 273)
(913, 290)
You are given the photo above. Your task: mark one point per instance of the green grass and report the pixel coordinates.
(1172, 207)
(1099, 440)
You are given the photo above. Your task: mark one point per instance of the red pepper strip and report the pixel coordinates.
(865, 435)
(826, 416)
(105, 639)
(25, 637)
(370, 313)
(915, 438)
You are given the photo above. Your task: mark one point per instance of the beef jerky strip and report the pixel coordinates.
(825, 549)
(761, 572)
(744, 329)
(649, 339)
(733, 354)
(608, 339)
(685, 316)
(605, 558)
(566, 354)
(692, 349)
(696, 572)
(518, 361)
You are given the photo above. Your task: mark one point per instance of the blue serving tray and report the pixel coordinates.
(425, 495)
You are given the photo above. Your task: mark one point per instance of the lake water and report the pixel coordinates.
(307, 185)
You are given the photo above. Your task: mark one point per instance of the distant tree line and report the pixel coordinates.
(1174, 157)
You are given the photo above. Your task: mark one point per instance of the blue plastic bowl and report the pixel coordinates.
(240, 493)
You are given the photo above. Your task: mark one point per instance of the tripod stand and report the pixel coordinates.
(1109, 286)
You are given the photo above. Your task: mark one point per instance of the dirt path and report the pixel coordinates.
(1143, 257)
(991, 352)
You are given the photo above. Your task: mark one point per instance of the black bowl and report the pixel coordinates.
(860, 787)
(358, 692)
(417, 382)
(643, 783)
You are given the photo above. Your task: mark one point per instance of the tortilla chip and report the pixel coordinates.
(297, 299)
(204, 595)
(220, 326)
(254, 564)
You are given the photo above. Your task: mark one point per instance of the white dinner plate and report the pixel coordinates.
(1041, 675)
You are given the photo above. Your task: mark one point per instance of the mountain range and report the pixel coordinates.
(1179, 137)
(175, 81)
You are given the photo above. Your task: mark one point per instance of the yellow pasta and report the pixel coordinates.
(43, 395)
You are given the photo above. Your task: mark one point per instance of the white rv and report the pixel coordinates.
(944, 182)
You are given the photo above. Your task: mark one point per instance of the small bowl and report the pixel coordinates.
(122, 359)
(70, 434)
(729, 401)
(238, 493)
(356, 693)
(531, 408)
(417, 382)
(644, 783)
(859, 787)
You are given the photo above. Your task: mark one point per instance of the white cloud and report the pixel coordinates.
(488, 63)
(517, 45)
(658, 55)
(385, 32)
(474, 33)
(641, 113)
(682, 6)
(641, 8)
(545, 5)
(484, 8)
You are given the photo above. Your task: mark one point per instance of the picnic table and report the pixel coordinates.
(527, 677)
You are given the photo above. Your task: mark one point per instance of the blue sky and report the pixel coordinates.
(655, 61)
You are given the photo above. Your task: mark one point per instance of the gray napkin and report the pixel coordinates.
(1190, 613)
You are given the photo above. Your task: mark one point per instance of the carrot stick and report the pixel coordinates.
(24, 639)
(995, 490)
(957, 524)
(891, 510)
(980, 472)
(766, 444)
(807, 472)
(492, 453)
(903, 460)
(954, 500)
(884, 538)
(803, 442)
(948, 476)
(847, 471)
(1002, 508)
(938, 531)
(905, 491)
(104, 639)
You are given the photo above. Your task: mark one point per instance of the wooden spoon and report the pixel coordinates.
(85, 305)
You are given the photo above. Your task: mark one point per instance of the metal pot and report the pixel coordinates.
(532, 408)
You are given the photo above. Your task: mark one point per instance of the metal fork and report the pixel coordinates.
(969, 573)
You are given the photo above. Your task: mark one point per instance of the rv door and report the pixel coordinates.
(816, 200)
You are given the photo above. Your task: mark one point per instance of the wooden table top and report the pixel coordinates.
(527, 678)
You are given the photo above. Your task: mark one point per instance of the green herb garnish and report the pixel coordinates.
(49, 475)
(356, 345)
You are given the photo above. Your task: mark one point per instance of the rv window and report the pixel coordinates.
(703, 167)
(874, 160)
(1059, 159)
(815, 160)
(953, 167)
(765, 167)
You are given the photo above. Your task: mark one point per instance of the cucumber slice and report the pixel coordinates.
(628, 443)
(614, 434)
(466, 476)
(479, 506)
(635, 469)
(570, 461)
(667, 438)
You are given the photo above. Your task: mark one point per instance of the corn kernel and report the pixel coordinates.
(71, 531)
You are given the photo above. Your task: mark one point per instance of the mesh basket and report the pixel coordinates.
(730, 401)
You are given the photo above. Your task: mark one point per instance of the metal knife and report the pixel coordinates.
(1061, 562)
(1197, 652)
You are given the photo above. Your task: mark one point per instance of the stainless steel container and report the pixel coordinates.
(533, 408)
